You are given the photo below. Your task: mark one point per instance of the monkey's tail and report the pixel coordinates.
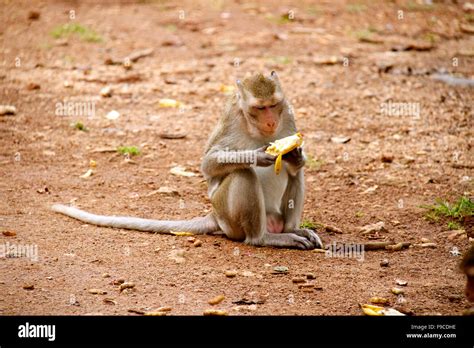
(200, 225)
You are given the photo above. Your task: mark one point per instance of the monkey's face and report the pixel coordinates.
(261, 102)
(264, 115)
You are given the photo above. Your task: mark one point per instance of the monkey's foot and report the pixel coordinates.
(311, 236)
(285, 240)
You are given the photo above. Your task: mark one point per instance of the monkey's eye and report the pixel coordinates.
(273, 106)
(259, 107)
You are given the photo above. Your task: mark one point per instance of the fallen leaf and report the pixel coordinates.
(377, 227)
(87, 174)
(340, 140)
(216, 300)
(9, 233)
(214, 312)
(181, 171)
(112, 115)
(168, 103)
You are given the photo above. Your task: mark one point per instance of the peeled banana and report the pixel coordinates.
(282, 146)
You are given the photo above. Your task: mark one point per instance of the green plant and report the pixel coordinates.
(453, 212)
(128, 150)
(310, 224)
(313, 163)
(68, 29)
(80, 126)
(356, 8)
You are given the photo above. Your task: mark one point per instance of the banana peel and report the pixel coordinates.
(378, 311)
(282, 146)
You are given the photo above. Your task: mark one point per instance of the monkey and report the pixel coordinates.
(467, 266)
(250, 203)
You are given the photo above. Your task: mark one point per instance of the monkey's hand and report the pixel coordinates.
(295, 157)
(263, 158)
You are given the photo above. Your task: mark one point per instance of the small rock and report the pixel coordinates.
(9, 233)
(427, 245)
(112, 115)
(105, 275)
(32, 86)
(33, 15)
(214, 312)
(127, 285)
(109, 301)
(379, 300)
(97, 292)
(216, 300)
(340, 140)
(280, 270)
(197, 243)
(298, 280)
(248, 274)
(230, 274)
(455, 298)
(425, 240)
(377, 227)
(191, 239)
(397, 291)
(7, 110)
(401, 282)
(387, 158)
(310, 276)
(384, 263)
(177, 255)
(155, 314)
(28, 286)
(106, 92)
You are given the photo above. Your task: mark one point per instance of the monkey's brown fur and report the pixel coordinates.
(260, 86)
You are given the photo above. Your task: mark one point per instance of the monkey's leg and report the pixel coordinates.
(292, 208)
(239, 209)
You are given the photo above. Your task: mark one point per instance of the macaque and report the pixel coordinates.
(467, 266)
(250, 202)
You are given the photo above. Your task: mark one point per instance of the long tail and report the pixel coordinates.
(200, 225)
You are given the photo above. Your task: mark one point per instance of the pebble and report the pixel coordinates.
(216, 300)
(384, 263)
(124, 286)
(214, 312)
(97, 292)
(310, 276)
(230, 274)
(397, 291)
(298, 280)
(28, 286)
(7, 110)
(280, 270)
(197, 243)
(106, 92)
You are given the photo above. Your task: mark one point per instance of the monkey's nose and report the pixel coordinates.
(271, 125)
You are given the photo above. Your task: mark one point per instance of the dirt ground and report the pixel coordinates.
(340, 64)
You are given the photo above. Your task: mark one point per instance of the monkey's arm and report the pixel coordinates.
(218, 162)
(295, 160)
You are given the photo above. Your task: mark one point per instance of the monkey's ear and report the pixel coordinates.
(274, 77)
(240, 86)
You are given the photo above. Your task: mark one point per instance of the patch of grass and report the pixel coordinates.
(469, 17)
(453, 212)
(313, 163)
(430, 37)
(171, 27)
(281, 59)
(309, 225)
(83, 32)
(356, 8)
(284, 19)
(128, 150)
(364, 34)
(79, 126)
(453, 225)
(414, 6)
